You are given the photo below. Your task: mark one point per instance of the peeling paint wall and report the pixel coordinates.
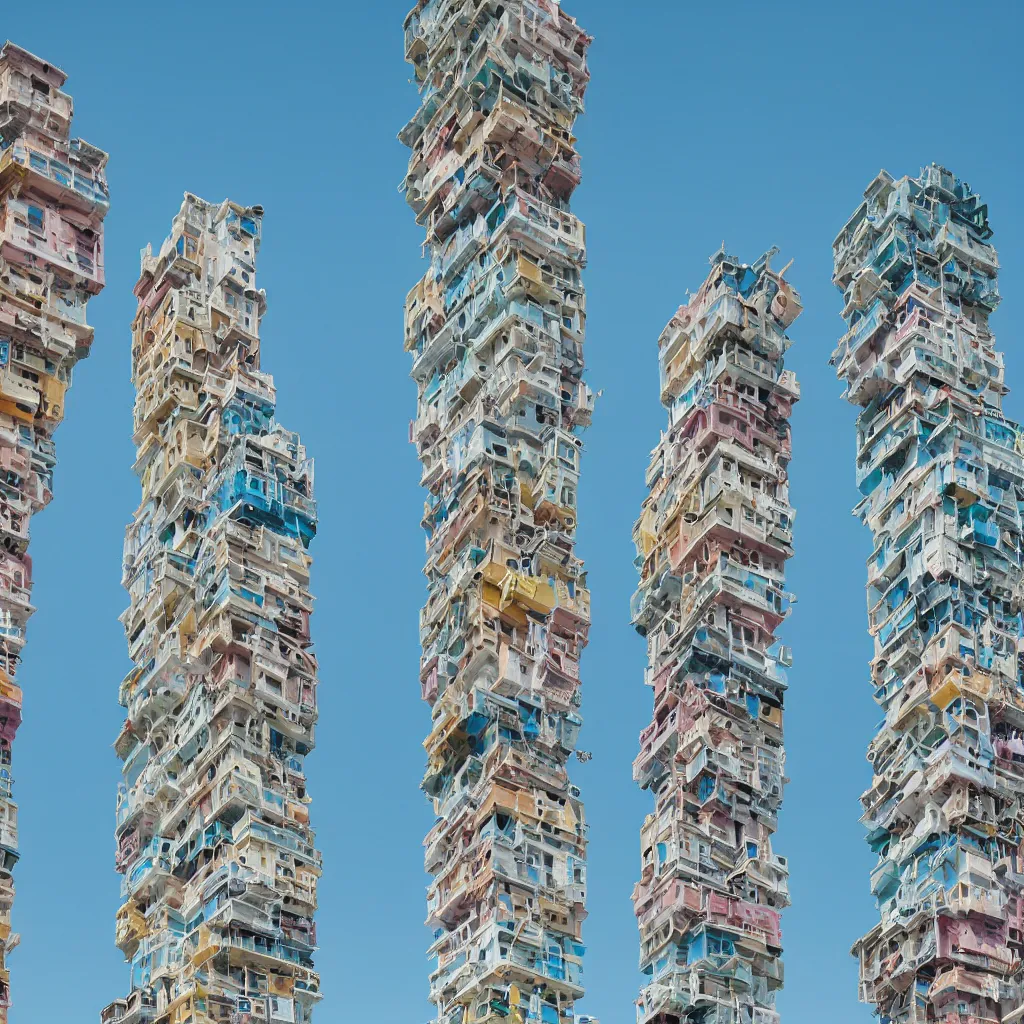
(941, 474)
(495, 330)
(53, 198)
(712, 542)
(213, 836)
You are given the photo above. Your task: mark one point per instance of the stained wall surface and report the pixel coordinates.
(53, 198)
(218, 860)
(712, 543)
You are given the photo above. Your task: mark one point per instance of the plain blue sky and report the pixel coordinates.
(757, 123)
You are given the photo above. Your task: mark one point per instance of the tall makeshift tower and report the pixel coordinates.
(213, 837)
(941, 472)
(495, 330)
(53, 198)
(712, 543)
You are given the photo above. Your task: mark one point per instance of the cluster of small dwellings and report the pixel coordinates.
(213, 835)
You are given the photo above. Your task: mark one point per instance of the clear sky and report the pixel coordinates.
(756, 123)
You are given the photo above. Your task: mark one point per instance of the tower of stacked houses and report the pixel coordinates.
(213, 836)
(53, 198)
(941, 472)
(712, 542)
(495, 330)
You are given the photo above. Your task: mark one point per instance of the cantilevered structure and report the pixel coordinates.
(712, 542)
(495, 330)
(213, 836)
(53, 198)
(941, 472)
